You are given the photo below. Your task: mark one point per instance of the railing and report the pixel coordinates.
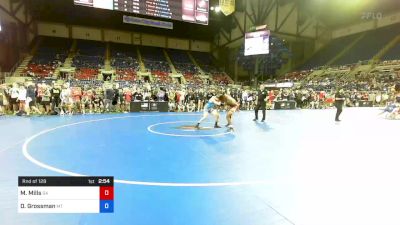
(16, 65)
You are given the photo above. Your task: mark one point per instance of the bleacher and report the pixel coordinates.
(155, 61)
(355, 62)
(182, 62)
(184, 65)
(221, 78)
(89, 59)
(205, 61)
(124, 57)
(328, 52)
(393, 53)
(125, 61)
(50, 54)
(297, 75)
(369, 45)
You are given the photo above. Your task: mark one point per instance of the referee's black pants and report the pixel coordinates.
(339, 110)
(260, 105)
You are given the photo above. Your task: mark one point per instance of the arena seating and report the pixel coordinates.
(126, 74)
(155, 60)
(369, 45)
(90, 54)
(221, 78)
(192, 79)
(85, 61)
(328, 52)
(184, 65)
(382, 72)
(50, 54)
(393, 53)
(38, 70)
(156, 63)
(182, 62)
(89, 59)
(86, 74)
(364, 49)
(205, 61)
(124, 57)
(161, 77)
(297, 75)
(91, 48)
(125, 60)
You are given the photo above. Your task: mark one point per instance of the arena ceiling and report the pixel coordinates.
(64, 11)
(337, 13)
(330, 13)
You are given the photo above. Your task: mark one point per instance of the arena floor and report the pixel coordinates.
(300, 167)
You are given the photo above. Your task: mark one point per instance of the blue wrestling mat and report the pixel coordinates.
(299, 167)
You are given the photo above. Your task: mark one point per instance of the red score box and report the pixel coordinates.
(106, 193)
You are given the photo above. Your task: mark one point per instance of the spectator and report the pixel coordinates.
(14, 97)
(21, 99)
(2, 99)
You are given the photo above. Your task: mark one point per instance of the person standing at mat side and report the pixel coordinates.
(339, 102)
(210, 108)
(261, 103)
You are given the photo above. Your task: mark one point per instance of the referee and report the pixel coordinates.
(339, 102)
(261, 103)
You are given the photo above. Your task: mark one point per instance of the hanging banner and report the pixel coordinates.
(148, 22)
(227, 6)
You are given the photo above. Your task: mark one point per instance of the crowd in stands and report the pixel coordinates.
(50, 54)
(86, 94)
(124, 61)
(221, 79)
(155, 61)
(40, 70)
(182, 62)
(86, 73)
(192, 79)
(369, 45)
(127, 74)
(206, 63)
(374, 86)
(88, 59)
(95, 96)
(355, 49)
(124, 57)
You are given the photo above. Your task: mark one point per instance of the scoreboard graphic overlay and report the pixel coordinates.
(65, 194)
